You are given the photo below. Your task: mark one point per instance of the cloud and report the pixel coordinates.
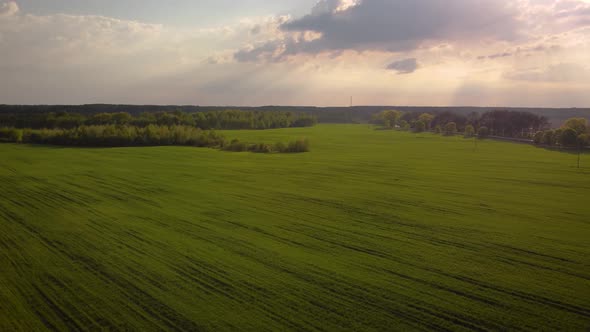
(396, 26)
(255, 53)
(576, 13)
(340, 47)
(495, 56)
(406, 66)
(563, 72)
(8, 9)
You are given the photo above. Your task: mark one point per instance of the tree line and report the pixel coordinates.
(150, 135)
(503, 123)
(575, 132)
(228, 119)
(355, 114)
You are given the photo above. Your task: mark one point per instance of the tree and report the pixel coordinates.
(483, 132)
(469, 131)
(548, 137)
(569, 137)
(583, 140)
(404, 125)
(513, 124)
(580, 125)
(557, 136)
(426, 118)
(538, 138)
(16, 135)
(450, 129)
(121, 118)
(419, 126)
(438, 129)
(389, 118)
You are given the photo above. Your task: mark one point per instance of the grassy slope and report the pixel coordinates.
(371, 230)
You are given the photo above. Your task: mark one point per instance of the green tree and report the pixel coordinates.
(404, 125)
(427, 119)
(557, 136)
(438, 129)
(483, 132)
(469, 131)
(580, 125)
(121, 118)
(390, 118)
(538, 138)
(548, 137)
(16, 135)
(569, 137)
(419, 126)
(450, 129)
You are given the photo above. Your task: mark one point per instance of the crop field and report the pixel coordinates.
(371, 230)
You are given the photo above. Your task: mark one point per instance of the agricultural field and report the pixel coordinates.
(371, 230)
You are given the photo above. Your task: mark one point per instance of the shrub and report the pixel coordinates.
(280, 147)
(450, 129)
(538, 138)
(569, 137)
(419, 126)
(483, 132)
(236, 146)
(260, 148)
(404, 125)
(548, 137)
(298, 146)
(469, 131)
(557, 136)
(578, 124)
(438, 129)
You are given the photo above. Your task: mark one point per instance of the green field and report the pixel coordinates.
(371, 230)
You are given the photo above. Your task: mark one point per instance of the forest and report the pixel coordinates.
(227, 119)
(355, 114)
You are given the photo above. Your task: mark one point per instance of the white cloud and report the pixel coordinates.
(8, 9)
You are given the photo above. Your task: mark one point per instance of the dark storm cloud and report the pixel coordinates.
(400, 25)
(406, 66)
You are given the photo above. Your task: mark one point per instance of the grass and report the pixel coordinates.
(372, 230)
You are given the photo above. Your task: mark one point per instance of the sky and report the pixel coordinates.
(531, 53)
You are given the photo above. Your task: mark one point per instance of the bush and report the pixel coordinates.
(548, 137)
(280, 147)
(236, 146)
(450, 129)
(438, 129)
(404, 125)
(569, 137)
(298, 146)
(557, 136)
(419, 126)
(483, 132)
(260, 148)
(580, 125)
(469, 131)
(538, 138)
